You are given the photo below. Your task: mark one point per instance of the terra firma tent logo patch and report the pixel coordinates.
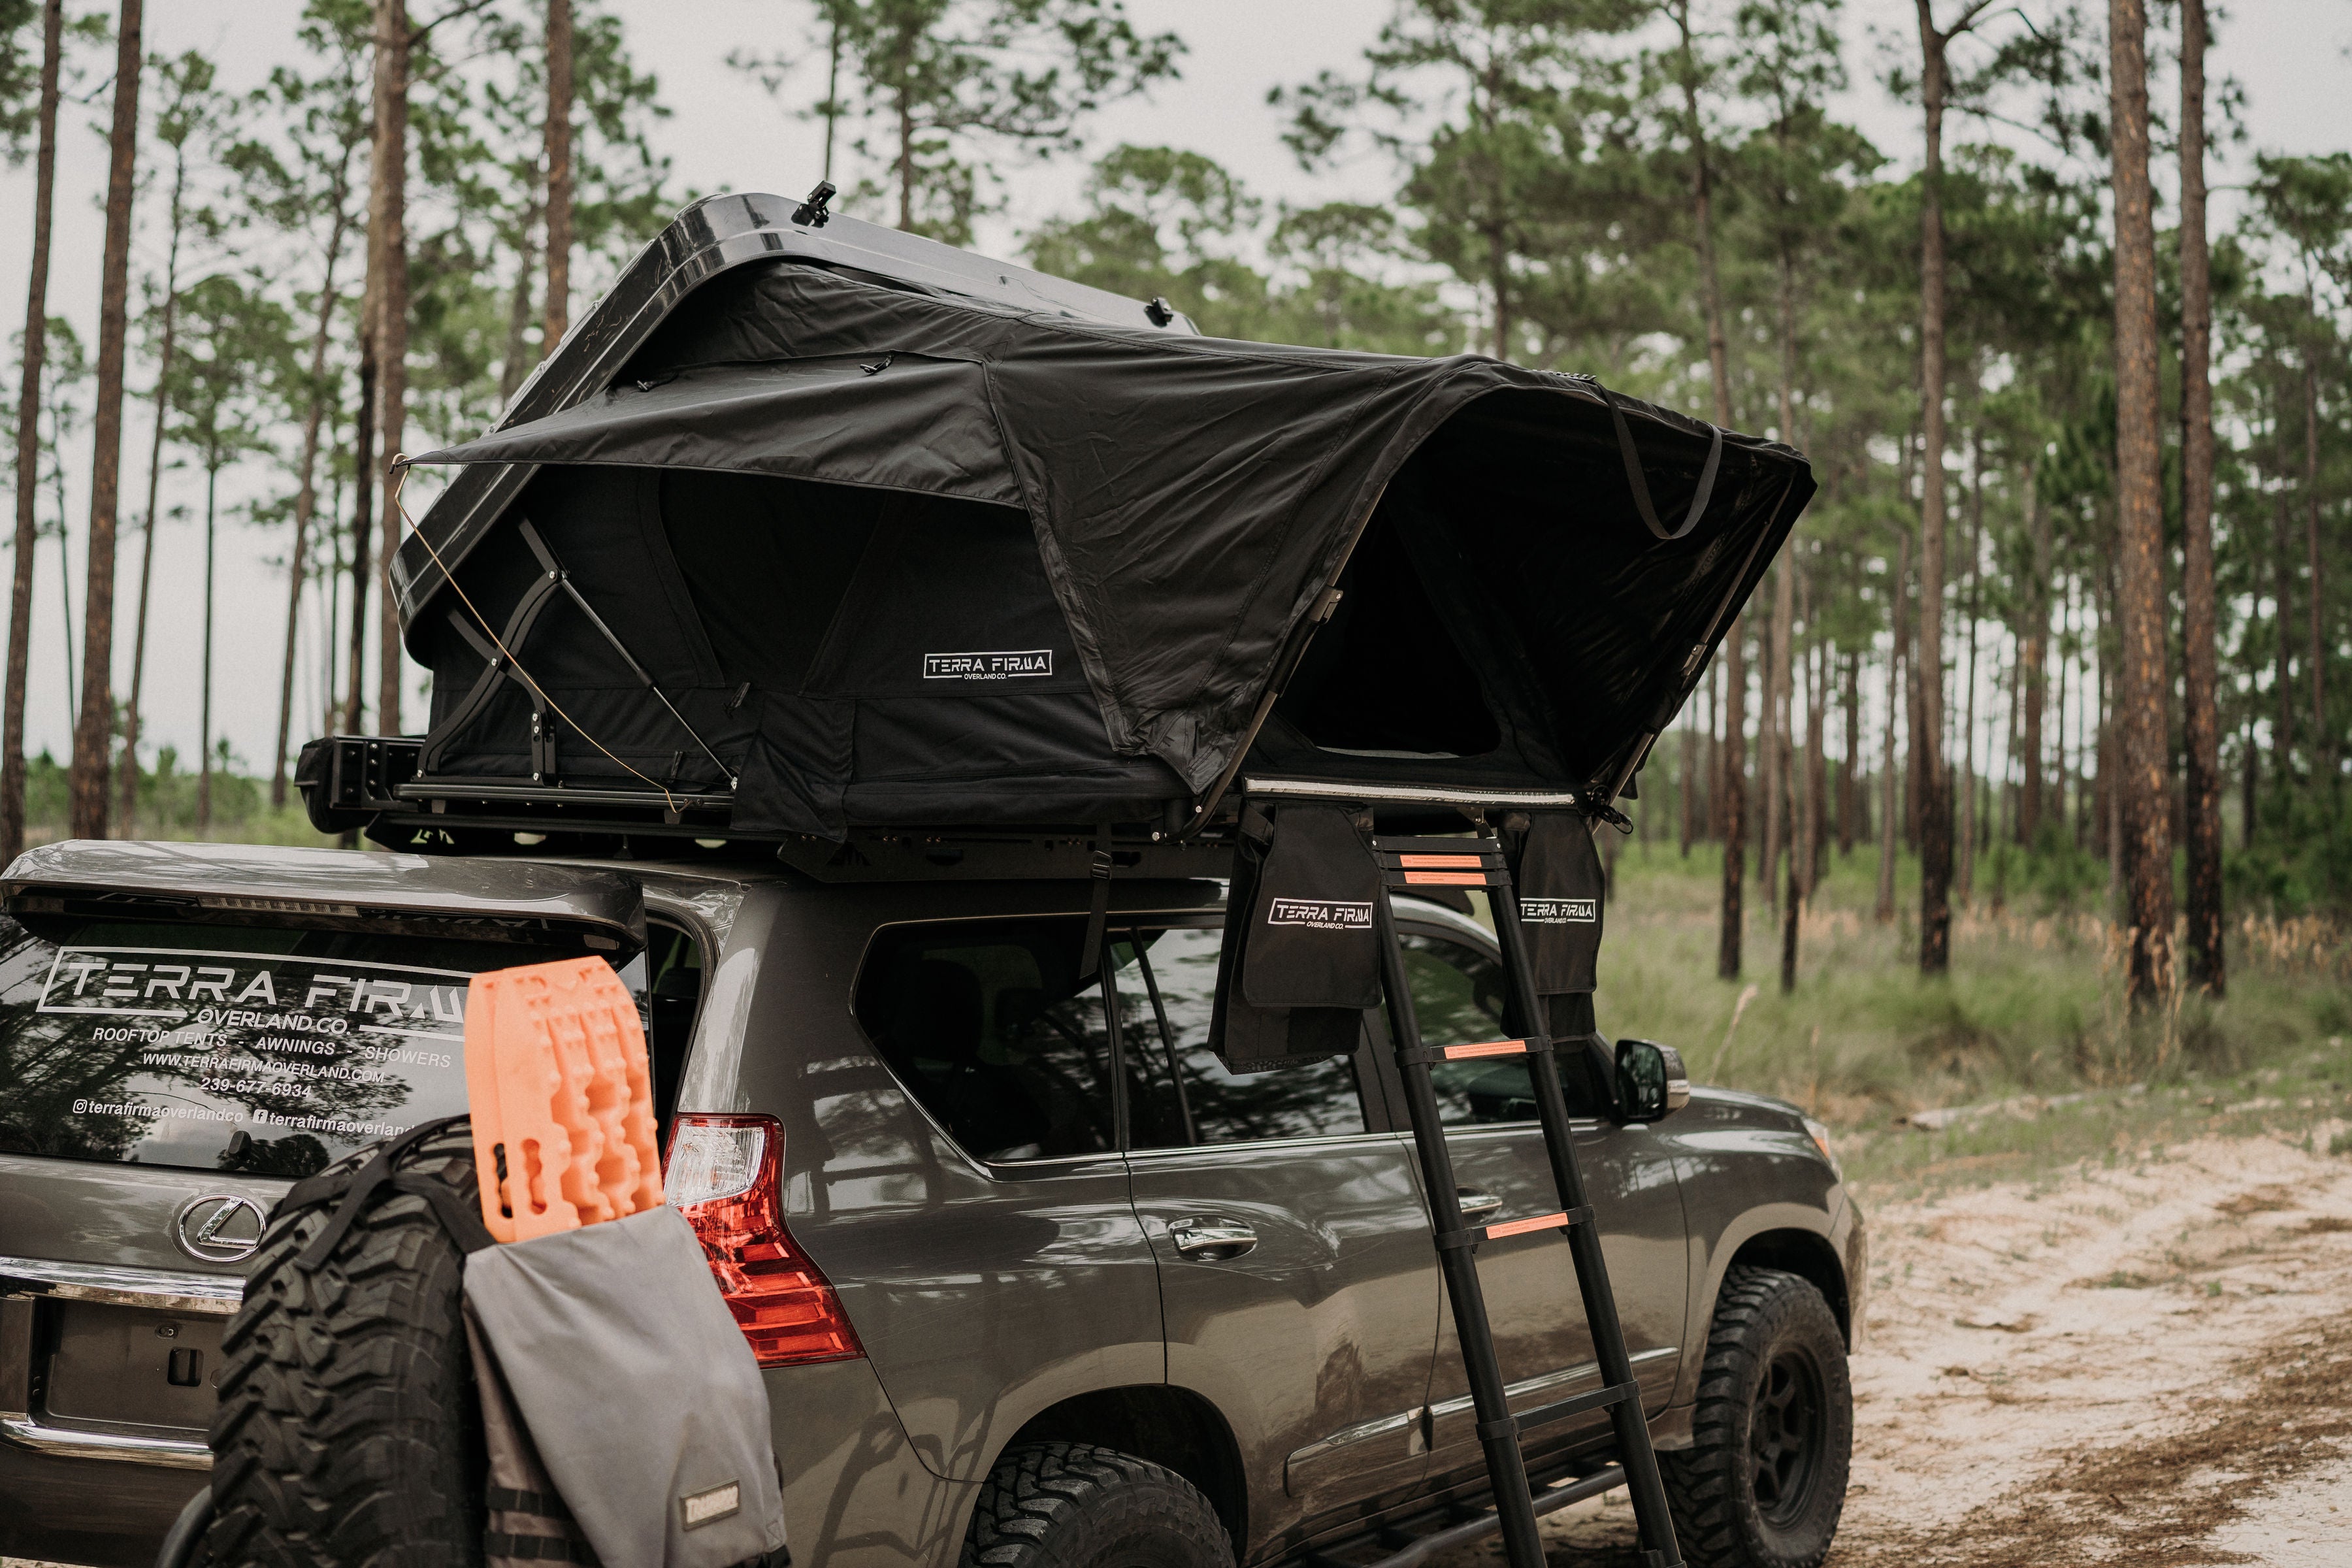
(1323, 915)
(1560, 912)
(987, 666)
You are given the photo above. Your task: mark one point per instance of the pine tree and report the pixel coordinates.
(28, 435)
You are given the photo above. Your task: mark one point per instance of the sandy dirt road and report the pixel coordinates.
(2149, 1364)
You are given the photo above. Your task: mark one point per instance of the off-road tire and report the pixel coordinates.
(1073, 1505)
(348, 1432)
(1772, 1330)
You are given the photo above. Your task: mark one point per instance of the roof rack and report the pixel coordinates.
(371, 784)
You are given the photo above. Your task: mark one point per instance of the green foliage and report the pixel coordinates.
(1175, 225)
(938, 91)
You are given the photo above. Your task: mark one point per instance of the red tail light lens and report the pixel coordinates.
(725, 1174)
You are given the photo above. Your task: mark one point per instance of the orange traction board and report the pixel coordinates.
(561, 1100)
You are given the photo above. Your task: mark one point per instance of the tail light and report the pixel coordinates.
(725, 1175)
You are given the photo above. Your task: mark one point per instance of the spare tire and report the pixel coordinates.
(349, 1431)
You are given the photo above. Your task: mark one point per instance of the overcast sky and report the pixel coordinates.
(725, 133)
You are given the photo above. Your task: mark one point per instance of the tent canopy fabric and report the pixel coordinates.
(824, 515)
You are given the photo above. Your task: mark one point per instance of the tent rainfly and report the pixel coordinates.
(860, 554)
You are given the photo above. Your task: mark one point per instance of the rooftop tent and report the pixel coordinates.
(897, 557)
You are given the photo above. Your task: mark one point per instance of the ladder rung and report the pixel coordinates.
(1577, 1405)
(1440, 862)
(1484, 1049)
(1388, 844)
(1522, 1227)
(1445, 879)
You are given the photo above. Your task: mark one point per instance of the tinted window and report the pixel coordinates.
(1201, 1102)
(224, 1047)
(986, 1025)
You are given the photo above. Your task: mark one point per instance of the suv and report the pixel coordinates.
(1033, 1231)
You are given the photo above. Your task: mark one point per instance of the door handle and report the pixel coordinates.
(1211, 1238)
(1474, 1204)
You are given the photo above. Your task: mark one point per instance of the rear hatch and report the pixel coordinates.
(184, 1030)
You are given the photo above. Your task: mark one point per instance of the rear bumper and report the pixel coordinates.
(104, 1512)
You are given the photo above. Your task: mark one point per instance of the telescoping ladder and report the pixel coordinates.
(1455, 863)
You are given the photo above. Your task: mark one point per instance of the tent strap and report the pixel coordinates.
(1639, 480)
(1099, 908)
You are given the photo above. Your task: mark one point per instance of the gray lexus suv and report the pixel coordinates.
(1011, 1245)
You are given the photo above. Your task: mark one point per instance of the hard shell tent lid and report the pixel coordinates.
(896, 557)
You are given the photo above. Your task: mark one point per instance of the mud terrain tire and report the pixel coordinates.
(346, 1432)
(1073, 1505)
(1763, 1484)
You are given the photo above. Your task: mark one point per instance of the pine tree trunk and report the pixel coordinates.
(2202, 722)
(1817, 773)
(1770, 727)
(2323, 744)
(2034, 679)
(1935, 804)
(559, 174)
(1689, 787)
(2144, 809)
(388, 234)
(2249, 782)
(1718, 342)
(129, 784)
(205, 714)
(363, 518)
(1715, 752)
(2282, 576)
(511, 368)
(1967, 831)
(94, 730)
(1850, 770)
(1735, 805)
(29, 443)
(306, 495)
(1890, 806)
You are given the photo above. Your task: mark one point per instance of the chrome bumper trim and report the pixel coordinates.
(215, 1295)
(23, 1431)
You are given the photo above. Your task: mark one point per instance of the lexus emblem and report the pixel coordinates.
(219, 1227)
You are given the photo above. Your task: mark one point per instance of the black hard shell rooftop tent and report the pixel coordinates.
(897, 535)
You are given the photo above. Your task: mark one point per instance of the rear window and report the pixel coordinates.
(269, 1052)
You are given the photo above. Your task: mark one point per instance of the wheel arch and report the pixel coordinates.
(1807, 1255)
(1164, 1423)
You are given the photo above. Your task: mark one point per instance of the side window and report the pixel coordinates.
(1167, 986)
(1457, 1000)
(987, 1026)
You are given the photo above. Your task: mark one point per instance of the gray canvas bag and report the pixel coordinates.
(637, 1388)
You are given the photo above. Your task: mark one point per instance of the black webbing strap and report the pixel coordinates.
(507, 1499)
(1099, 908)
(1638, 480)
(356, 1189)
(536, 1548)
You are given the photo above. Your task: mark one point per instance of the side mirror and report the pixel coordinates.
(1651, 1081)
